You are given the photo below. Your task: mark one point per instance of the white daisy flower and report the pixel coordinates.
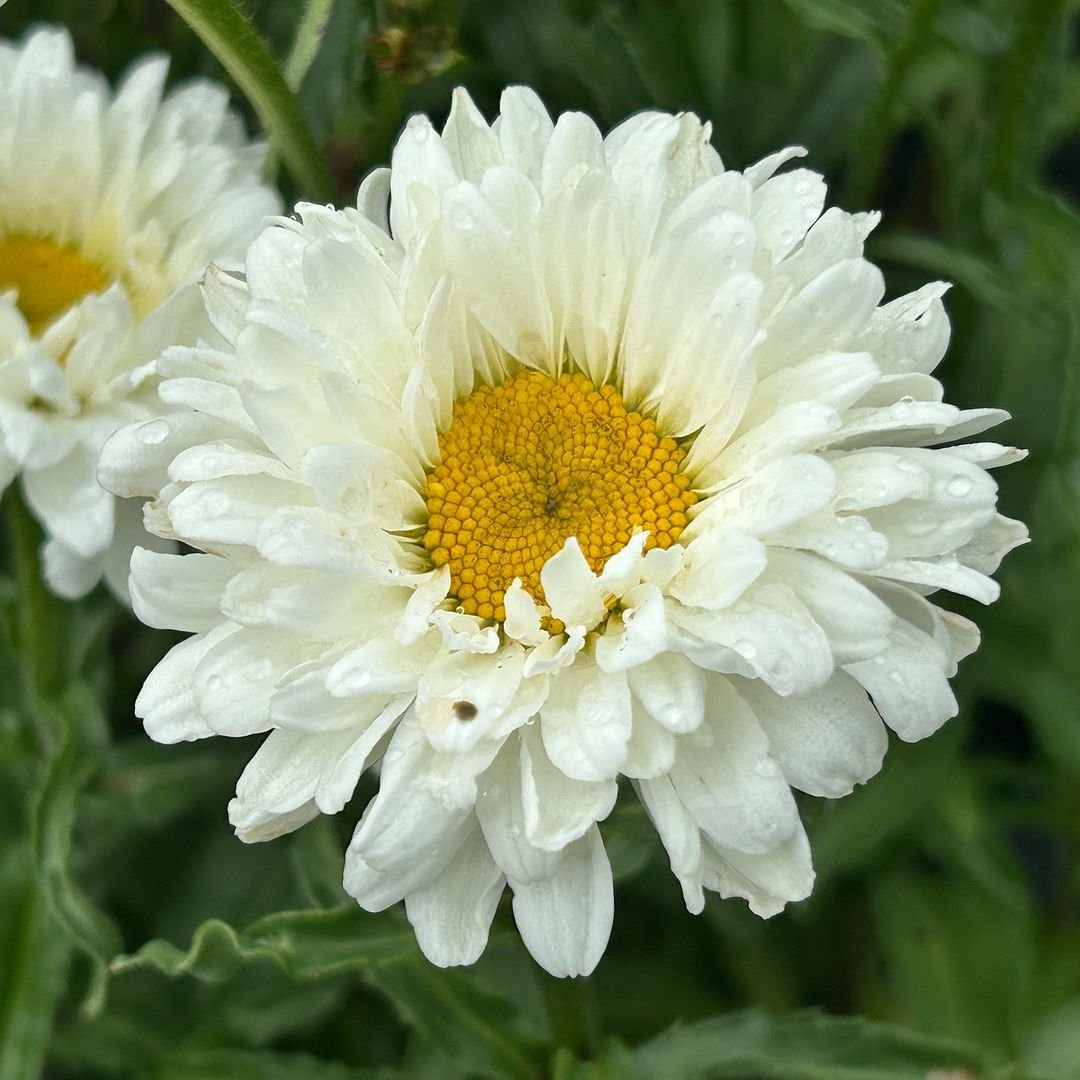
(111, 206)
(560, 459)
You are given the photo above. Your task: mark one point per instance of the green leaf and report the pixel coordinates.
(877, 21)
(304, 944)
(452, 1012)
(262, 1065)
(53, 817)
(33, 965)
(959, 958)
(1053, 1048)
(807, 1045)
(245, 56)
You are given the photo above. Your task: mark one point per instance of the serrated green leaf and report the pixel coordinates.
(304, 944)
(807, 1045)
(54, 813)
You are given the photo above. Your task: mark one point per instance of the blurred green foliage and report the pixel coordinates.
(943, 939)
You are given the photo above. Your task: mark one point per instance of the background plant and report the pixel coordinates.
(138, 938)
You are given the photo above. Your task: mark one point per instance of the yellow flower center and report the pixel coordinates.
(530, 463)
(49, 277)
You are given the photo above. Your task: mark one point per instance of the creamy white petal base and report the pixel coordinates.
(741, 609)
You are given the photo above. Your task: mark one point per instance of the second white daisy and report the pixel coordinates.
(110, 209)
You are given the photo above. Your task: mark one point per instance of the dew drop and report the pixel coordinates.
(738, 239)
(959, 486)
(787, 237)
(216, 504)
(917, 528)
(214, 683)
(746, 648)
(153, 432)
(671, 715)
(258, 670)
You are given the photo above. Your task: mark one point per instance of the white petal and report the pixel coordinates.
(680, 835)
(768, 881)
(727, 780)
(557, 809)
(235, 679)
(275, 793)
(500, 809)
(909, 684)
(179, 592)
(774, 498)
(565, 920)
(719, 565)
(827, 740)
(166, 703)
(586, 722)
(571, 588)
(672, 690)
(71, 504)
(452, 915)
(856, 622)
(784, 207)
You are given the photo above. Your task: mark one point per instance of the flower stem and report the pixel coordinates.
(39, 625)
(309, 36)
(570, 1015)
(244, 54)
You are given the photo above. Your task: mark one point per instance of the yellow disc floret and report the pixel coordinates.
(48, 277)
(530, 463)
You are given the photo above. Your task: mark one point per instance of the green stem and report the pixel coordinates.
(570, 1015)
(878, 123)
(1021, 81)
(309, 36)
(39, 616)
(245, 56)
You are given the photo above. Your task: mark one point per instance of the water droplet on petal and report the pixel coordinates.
(153, 432)
(959, 486)
(216, 504)
(258, 670)
(671, 715)
(746, 648)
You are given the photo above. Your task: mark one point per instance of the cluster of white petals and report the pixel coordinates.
(111, 207)
(768, 649)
